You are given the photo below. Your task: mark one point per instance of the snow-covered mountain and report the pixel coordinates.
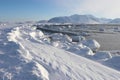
(75, 19)
(60, 20)
(104, 20)
(26, 55)
(90, 19)
(115, 21)
(84, 19)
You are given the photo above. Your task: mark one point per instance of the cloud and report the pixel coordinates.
(102, 8)
(105, 8)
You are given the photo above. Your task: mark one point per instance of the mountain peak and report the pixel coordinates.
(76, 18)
(81, 18)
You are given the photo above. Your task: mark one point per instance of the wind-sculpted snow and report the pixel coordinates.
(27, 56)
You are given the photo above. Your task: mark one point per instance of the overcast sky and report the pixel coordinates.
(20, 10)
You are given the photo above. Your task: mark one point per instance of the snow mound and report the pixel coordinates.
(92, 44)
(60, 37)
(60, 41)
(61, 45)
(81, 49)
(15, 33)
(77, 38)
(103, 55)
(86, 51)
(37, 34)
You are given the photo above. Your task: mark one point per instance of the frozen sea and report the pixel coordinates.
(107, 41)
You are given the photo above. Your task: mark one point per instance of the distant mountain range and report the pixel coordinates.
(117, 20)
(87, 19)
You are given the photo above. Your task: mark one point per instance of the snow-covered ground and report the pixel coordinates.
(28, 54)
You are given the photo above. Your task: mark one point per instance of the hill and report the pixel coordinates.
(89, 19)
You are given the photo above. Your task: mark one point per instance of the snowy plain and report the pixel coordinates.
(28, 54)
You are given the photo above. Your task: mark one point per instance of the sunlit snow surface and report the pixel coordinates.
(26, 55)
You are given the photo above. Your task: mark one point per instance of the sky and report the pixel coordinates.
(27, 10)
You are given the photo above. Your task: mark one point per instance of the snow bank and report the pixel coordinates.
(82, 50)
(103, 55)
(65, 42)
(86, 52)
(60, 37)
(25, 58)
(14, 33)
(60, 41)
